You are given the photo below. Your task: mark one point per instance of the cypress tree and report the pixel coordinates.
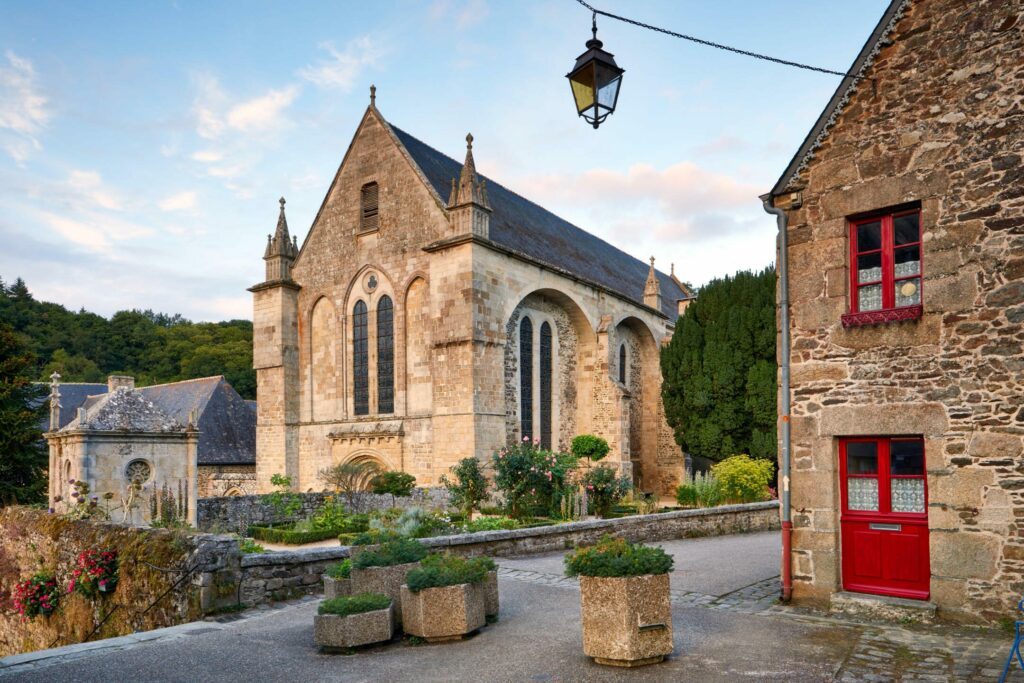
(719, 369)
(23, 457)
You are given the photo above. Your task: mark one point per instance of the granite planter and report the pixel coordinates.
(333, 632)
(489, 587)
(384, 580)
(627, 621)
(443, 613)
(337, 588)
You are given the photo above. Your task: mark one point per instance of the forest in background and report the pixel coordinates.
(152, 347)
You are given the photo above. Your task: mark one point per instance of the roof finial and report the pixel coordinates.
(672, 269)
(469, 141)
(652, 263)
(281, 201)
(373, 95)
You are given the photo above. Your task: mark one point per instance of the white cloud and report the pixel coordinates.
(207, 156)
(471, 14)
(342, 69)
(77, 232)
(182, 201)
(23, 108)
(210, 100)
(89, 185)
(264, 112)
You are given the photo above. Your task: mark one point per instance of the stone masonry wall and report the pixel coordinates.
(277, 576)
(226, 480)
(942, 125)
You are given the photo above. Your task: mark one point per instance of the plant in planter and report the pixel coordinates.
(36, 595)
(338, 580)
(605, 488)
(95, 573)
(382, 569)
(489, 585)
(624, 596)
(351, 621)
(443, 599)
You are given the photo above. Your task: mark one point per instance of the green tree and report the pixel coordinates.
(75, 368)
(397, 484)
(23, 458)
(469, 488)
(719, 384)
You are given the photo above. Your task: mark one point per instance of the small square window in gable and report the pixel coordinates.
(885, 268)
(368, 208)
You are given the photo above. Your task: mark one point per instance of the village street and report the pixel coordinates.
(727, 624)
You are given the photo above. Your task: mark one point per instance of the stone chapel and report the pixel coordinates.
(432, 315)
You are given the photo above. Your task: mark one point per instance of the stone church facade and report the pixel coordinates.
(432, 315)
(905, 210)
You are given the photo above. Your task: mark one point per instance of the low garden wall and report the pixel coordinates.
(266, 577)
(236, 514)
(153, 590)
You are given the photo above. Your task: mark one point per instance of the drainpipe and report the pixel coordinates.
(787, 517)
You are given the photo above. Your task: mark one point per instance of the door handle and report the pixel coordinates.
(885, 527)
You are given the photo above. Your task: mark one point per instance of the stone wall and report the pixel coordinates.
(151, 561)
(226, 480)
(942, 126)
(278, 576)
(237, 513)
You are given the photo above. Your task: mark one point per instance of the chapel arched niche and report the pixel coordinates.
(635, 364)
(560, 341)
(323, 366)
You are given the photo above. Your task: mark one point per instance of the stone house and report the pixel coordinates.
(905, 215)
(197, 437)
(433, 315)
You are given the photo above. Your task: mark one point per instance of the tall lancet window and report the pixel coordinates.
(526, 377)
(385, 356)
(360, 360)
(622, 364)
(545, 386)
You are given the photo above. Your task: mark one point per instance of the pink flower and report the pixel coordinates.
(526, 439)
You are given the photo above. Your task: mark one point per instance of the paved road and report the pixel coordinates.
(720, 636)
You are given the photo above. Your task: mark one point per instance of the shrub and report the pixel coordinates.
(589, 446)
(397, 484)
(95, 572)
(341, 570)
(616, 557)
(390, 553)
(743, 479)
(470, 486)
(605, 488)
(285, 502)
(530, 479)
(490, 524)
(331, 515)
(36, 595)
(446, 570)
(250, 547)
(371, 537)
(354, 604)
(699, 490)
(291, 536)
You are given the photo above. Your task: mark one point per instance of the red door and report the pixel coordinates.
(884, 516)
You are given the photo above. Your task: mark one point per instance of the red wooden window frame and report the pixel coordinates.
(884, 476)
(888, 312)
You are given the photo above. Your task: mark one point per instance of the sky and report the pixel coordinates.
(144, 145)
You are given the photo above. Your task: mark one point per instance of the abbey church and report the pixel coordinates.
(432, 315)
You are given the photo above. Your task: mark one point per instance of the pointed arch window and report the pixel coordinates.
(385, 356)
(545, 386)
(622, 363)
(360, 360)
(526, 377)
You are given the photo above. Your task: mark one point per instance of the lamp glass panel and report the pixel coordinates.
(582, 82)
(607, 93)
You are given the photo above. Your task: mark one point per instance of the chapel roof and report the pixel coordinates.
(226, 421)
(527, 228)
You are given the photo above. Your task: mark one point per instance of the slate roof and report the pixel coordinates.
(124, 410)
(865, 58)
(527, 228)
(72, 396)
(227, 422)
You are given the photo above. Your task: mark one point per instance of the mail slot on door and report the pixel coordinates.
(885, 527)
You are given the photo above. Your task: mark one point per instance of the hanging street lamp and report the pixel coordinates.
(595, 81)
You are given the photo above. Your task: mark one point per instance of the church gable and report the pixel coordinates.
(378, 207)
